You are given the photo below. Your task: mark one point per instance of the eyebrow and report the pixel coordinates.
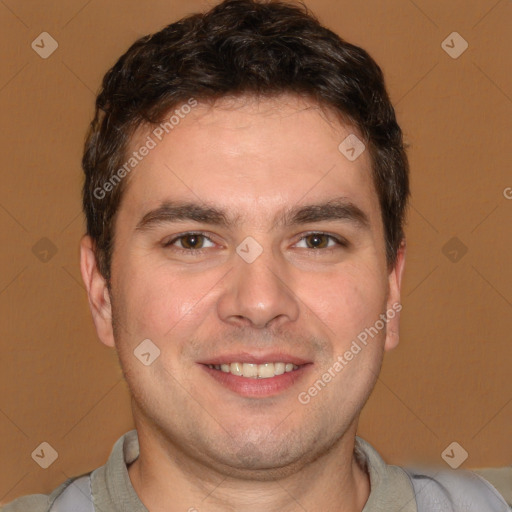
(336, 209)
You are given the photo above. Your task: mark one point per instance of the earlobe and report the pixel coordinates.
(97, 291)
(394, 306)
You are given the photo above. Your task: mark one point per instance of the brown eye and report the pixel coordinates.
(322, 240)
(317, 241)
(193, 241)
(188, 242)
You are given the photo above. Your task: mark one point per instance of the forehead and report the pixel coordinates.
(250, 156)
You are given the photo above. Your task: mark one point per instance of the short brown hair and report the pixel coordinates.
(241, 47)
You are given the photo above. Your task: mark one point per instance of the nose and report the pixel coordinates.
(258, 294)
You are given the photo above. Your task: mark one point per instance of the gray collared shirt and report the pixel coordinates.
(112, 490)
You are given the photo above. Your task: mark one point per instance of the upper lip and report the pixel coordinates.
(256, 358)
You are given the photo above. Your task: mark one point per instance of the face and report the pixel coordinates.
(246, 236)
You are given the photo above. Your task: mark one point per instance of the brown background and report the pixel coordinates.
(449, 379)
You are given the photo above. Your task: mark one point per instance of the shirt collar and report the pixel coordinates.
(390, 487)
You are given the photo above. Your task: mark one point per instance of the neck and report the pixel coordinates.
(165, 478)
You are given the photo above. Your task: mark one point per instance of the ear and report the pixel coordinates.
(97, 291)
(393, 304)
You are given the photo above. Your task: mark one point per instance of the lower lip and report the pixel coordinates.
(258, 388)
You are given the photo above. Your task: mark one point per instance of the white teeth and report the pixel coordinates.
(236, 368)
(255, 371)
(266, 370)
(250, 370)
(279, 368)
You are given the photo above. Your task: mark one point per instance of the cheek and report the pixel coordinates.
(161, 301)
(347, 301)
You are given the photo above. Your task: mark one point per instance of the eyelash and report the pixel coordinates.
(198, 252)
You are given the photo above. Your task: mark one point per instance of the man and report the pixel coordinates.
(245, 192)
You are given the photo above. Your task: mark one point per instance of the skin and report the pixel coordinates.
(202, 445)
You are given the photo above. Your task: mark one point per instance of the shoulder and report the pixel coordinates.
(35, 502)
(454, 490)
(500, 478)
(32, 502)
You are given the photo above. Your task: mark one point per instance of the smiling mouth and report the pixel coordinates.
(255, 371)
